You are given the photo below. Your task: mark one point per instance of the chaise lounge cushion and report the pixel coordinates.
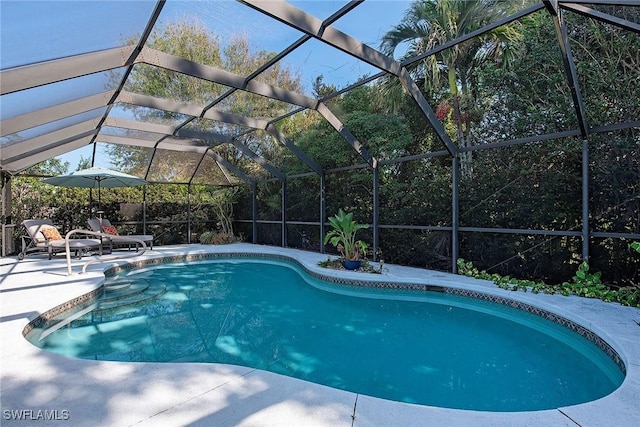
(110, 229)
(34, 229)
(50, 233)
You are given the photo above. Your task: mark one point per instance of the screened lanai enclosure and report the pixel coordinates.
(506, 133)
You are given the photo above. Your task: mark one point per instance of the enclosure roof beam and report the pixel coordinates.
(183, 137)
(616, 127)
(125, 140)
(173, 144)
(183, 145)
(573, 133)
(414, 91)
(146, 33)
(310, 25)
(258, 159)
(159, 103)
(571, 73)
(195, 169)
(347, 135)
(42, 73)
(273, 130)
(223, 77)
(190, 110)
(223, 163)
(603, 17)
(330, 20)
(603, 2)
(423, 156)
(26, 160)
(130, 62)
(41, 142)
(56, 112)
(139, 126)
(293, 46)
(216, 138)
(29, 154)
(552, 7)
(32, 156)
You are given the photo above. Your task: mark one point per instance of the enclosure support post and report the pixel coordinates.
(284, 213)
(455, 212)
(189, 214)
(585, 200)
(7, 227)
(254, 205)
(144, 210)
(376, 212)
(323, 209)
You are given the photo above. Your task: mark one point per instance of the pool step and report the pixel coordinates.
(119, 300)
(123, 290)
(136, 292)
(116, 286)
(120, 303)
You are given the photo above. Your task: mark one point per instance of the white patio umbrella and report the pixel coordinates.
(96, 177)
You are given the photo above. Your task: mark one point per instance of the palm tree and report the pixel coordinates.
(430, 23)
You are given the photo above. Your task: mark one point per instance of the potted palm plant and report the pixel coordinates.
(343, 237)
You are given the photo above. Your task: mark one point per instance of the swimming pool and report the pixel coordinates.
(421, 347)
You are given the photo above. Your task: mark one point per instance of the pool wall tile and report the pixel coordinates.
(71, 307)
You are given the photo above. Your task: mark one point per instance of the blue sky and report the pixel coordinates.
(368, 22)
(29, 34)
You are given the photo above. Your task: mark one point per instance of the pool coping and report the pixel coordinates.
(204, 394)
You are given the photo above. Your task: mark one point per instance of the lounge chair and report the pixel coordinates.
(43, 236)
(104, 226)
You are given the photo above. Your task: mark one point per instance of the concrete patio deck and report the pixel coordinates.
(78, 392)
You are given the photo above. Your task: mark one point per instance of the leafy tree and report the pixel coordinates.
(189, 39)
(538, 185)
(51, 167)
(321, 89)
(84, 163)
(430, 23)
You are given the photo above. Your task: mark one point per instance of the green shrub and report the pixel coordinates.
(584, 284)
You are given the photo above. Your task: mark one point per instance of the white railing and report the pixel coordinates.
(101, 258)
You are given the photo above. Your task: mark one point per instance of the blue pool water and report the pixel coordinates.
(426, 348)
